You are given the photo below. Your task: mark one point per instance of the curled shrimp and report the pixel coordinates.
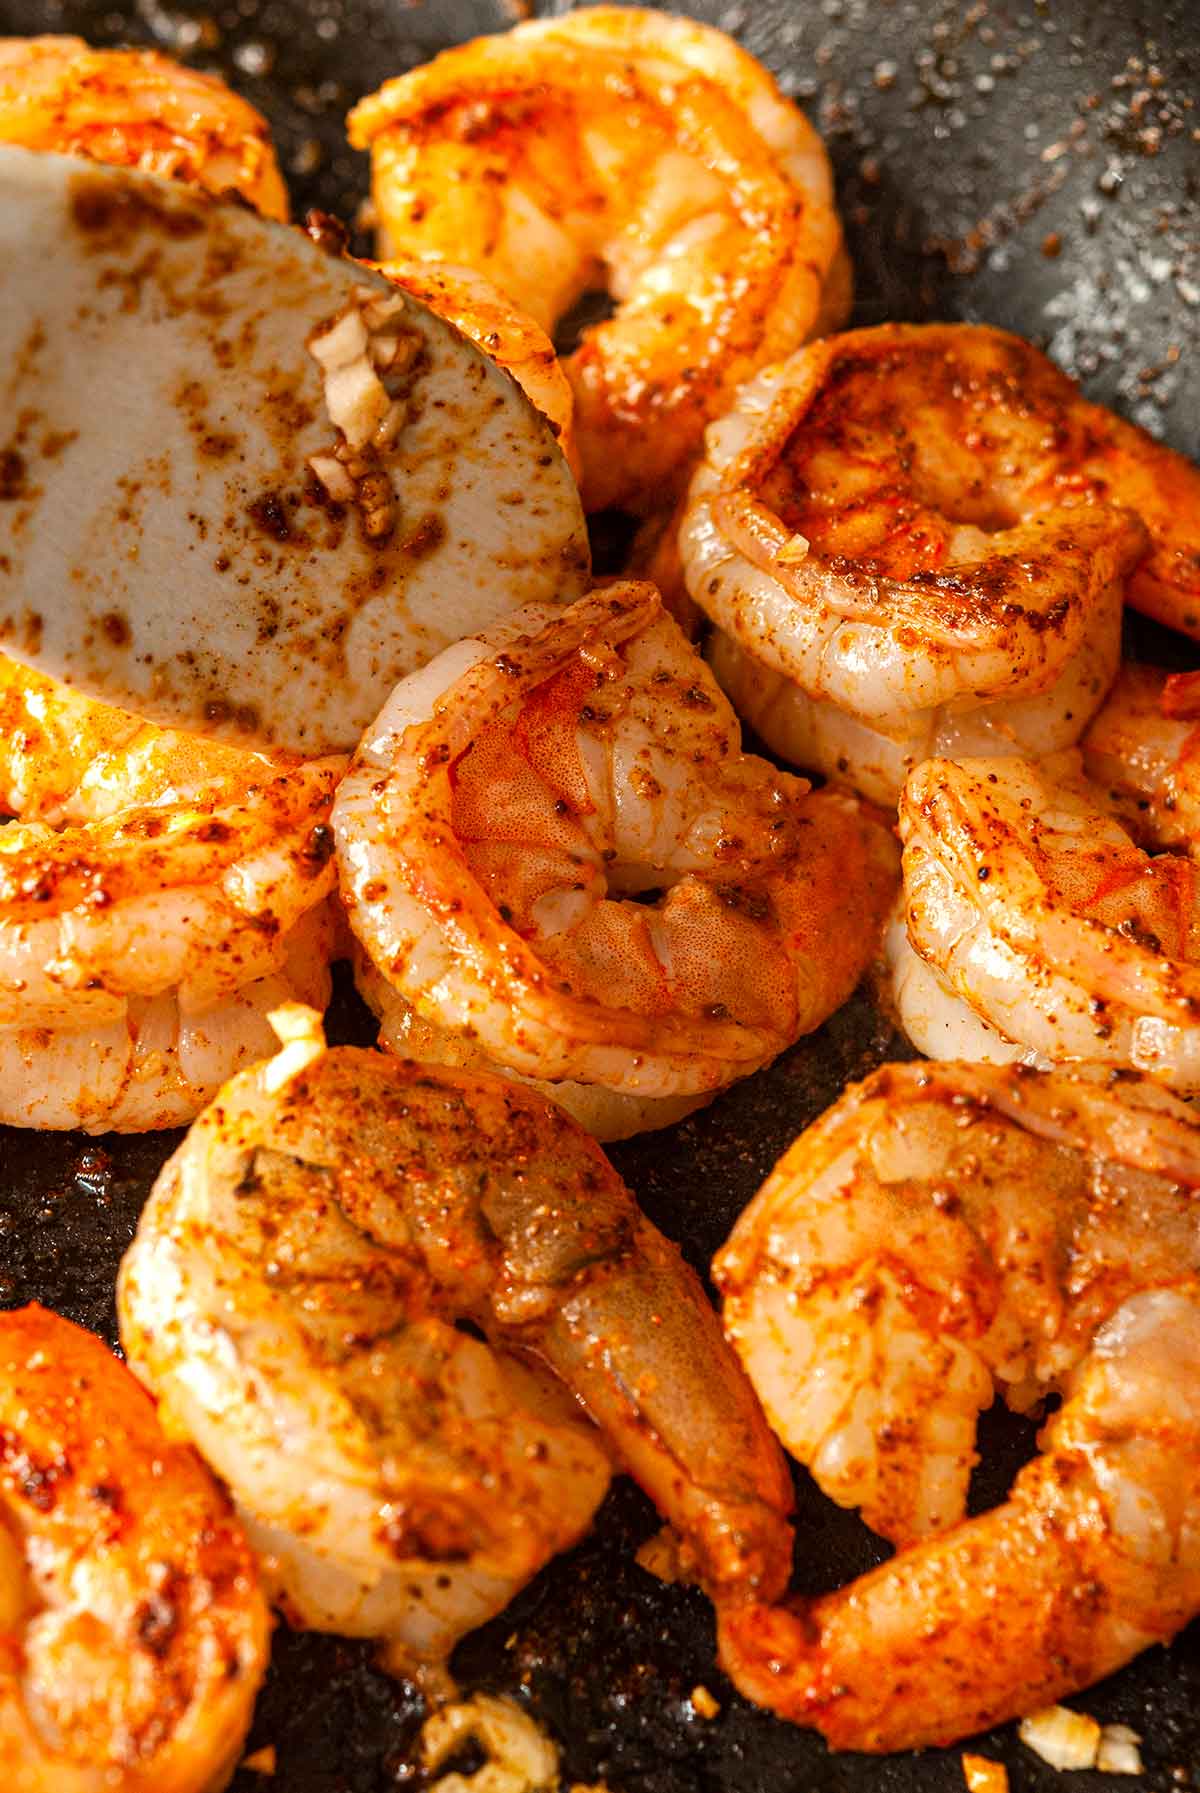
(1033, 927)
(477, 307)
(376, 1293)
(137, 109)
(893, 533)
(134, 1635)
(624, 148)
(158, 896)
(606, 1114)
(514, 801)
(876, 761)
(1143, 752)
(943, 1232)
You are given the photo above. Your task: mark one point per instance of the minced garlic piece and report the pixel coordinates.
(262, 1761)
(371, 336)
(982, 1775)
(355, 397)
(301, 1035)
(702, 1702)
(1061, 1737)
(794, 550)
(1118, 1752)
(662, 1557)
(521, 1758)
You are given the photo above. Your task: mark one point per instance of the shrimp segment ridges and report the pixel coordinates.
(629, 149)
(158, 896)
(135, 1634)
(1033, 926)
(942, 1233)
(917, 539)
(384, 1297)
(552, 843)
(137, 109)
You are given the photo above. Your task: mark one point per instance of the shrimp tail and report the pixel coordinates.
(900, 1664)
(609, 1303)
(713, 1470)
(1090, 1561)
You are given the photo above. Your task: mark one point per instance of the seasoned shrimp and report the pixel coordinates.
(629, 149)
(895, 522)
(943, 1232)
(481, 311)
(606, 1114)
(877, 761)
(134, 1633)
(137, 109)
(1143, 752)
(158, 896)
(349, 1286)
(1032, 926)
(551, 841)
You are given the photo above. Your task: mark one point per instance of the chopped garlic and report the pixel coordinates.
(521, 1758)
(663, 1557)
(355, 397)
(702, 1702)
(333, 476)
(794, 550)
(301, 1034)
(982, 1775)
(1118, 1752)
(1061, 1737)
(371, 336)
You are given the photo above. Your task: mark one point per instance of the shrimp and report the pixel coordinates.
(158, 896)
(1033, 927)
(877, 761)
(517, 798)
(1142, 750)
(134, 1633)
(895, 522)
(477, 307)
(944, 1231)
(605, 1113)
(374, 1293)
(137, 109)
(654, 556)
(625, 148)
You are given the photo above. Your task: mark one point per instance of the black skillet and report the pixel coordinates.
(1034, 163)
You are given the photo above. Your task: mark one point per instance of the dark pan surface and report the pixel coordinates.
(1032, 164)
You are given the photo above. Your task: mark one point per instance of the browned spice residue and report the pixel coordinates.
(12, 473)
(116, 628)
(429, 534)
(269, 512)
(103, 208)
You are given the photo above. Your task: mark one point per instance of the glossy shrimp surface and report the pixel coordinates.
(941, 1233)
(481, 311)
(137, 109)
(876, 761)
(629, 150)
(383, 1298)
(1033, 926)
(1142, 752)
(552, 842)
(607, 1114)
(134, 1632)
(896, 524)
(158, 896)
